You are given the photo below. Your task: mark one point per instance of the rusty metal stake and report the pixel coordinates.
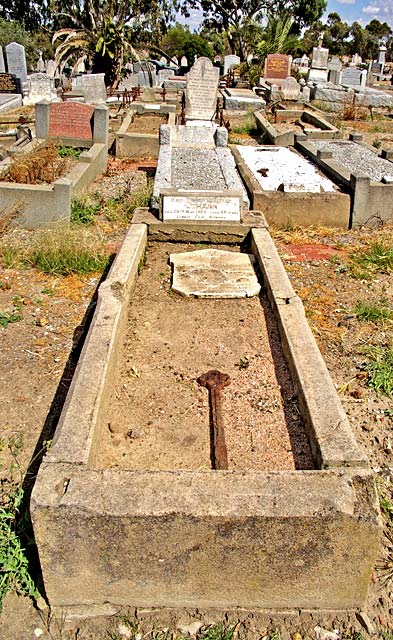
(215, 381)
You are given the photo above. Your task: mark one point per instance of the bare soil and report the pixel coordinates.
(147, 123)
(158, 415)
(378, 131)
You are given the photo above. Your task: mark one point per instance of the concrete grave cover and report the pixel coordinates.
(211, 273)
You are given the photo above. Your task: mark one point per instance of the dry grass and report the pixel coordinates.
(38, 166)
(7, 215)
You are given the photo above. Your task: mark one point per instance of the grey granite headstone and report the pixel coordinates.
(2, 65)
(93, 87)
(230, 61)
(351, 76)
(16, 60)
(201, 91)
(334, 70)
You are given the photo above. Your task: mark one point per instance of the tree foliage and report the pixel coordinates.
(103, 31)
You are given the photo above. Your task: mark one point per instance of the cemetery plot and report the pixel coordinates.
(176, 519)
(362, 172)
(146, 123)
(39, 166)
(281, 127)
(288, 189)
(158, 415)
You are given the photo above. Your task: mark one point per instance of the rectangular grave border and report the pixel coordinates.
(256, 540)
(371, 201)
(303, 209)
(141, 145)
(46, 205)
(287, 138)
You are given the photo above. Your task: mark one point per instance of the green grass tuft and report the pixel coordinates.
(14, 565)
(69, 152)
(380, 370)
(377, 259)
(373, 312)
(84, 210)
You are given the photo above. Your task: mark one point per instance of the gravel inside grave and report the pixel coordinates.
(158, 415)
(196, 169)
(356, 158)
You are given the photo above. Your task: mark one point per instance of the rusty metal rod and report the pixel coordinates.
(215, 381)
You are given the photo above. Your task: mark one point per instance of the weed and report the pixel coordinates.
(380, 370)
(9, 214)
(121, 209)
(84, 209)
(376, 143)
(14, 569)
(243, 363)
(68, 251)
(378, 258)
(275, 635)
(217, 632)
(8, 318)
(373, 312)
(387, 635)
(69, 152)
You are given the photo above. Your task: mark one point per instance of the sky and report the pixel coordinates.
(361, 11)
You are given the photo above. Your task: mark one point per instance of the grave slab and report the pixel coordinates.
(213, 273)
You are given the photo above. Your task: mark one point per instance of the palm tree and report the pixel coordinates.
(277, 36)
(102, 31)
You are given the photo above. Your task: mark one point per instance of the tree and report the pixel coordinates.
(31, 15)
(104, 30)
(336, 34)
(13, 31)
(179, 41)
(236, 17)
(277, 37)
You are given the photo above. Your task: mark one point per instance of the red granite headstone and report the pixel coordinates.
(71, 120)
(277, 66)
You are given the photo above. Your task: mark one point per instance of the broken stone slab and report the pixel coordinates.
(212, 273)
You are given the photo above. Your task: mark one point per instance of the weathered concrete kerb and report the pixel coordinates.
(203, 539)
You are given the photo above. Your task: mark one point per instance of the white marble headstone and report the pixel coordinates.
(230, 61)
(93, 87)
(201, 91)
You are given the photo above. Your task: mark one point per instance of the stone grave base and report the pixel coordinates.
(241, 100)
(9, 101)
(204, 539)
(140, 145)
(320, 129)
(370, 181)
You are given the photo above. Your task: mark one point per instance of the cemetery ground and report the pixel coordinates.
(48, 284)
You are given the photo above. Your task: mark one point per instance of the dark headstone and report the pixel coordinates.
(9, 83)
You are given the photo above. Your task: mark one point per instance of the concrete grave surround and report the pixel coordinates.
(277, 67)
(201, 90)
(241, 100)
(16, 60)
(230, 61)
(364, 174)
(286, 138)
(2, 65)
(196, 171)
(93, 87)
(285, 196)
(213, 273)
(46, 205)
(203, 539)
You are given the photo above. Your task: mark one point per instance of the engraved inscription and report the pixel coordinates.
(225, 208)
(71, 120)
(278, 66)
(9, 83)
